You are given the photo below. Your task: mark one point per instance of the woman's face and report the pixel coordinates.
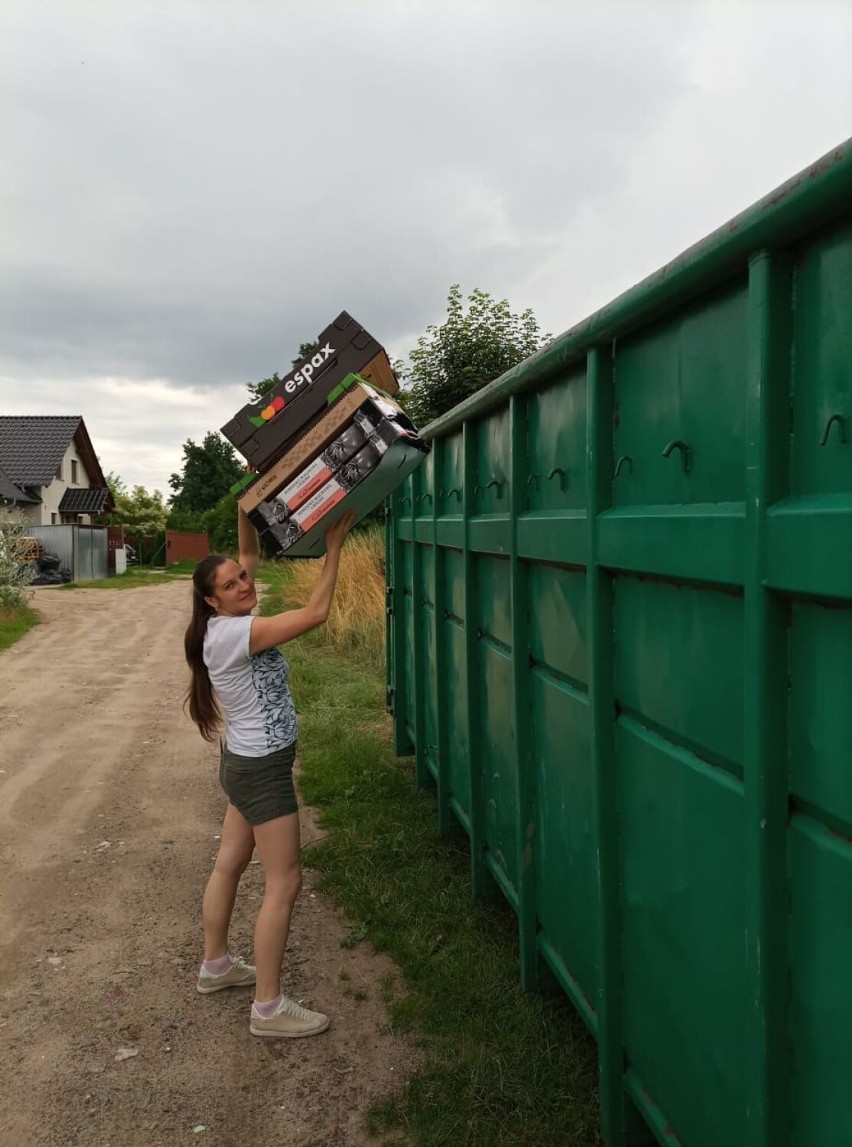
(233, 591)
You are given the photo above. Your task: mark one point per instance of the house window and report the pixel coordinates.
(74, 471)
(59, 471)
(53, 519)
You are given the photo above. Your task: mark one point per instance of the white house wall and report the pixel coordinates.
(47, 514)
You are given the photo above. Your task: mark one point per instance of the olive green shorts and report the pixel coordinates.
(261, 788)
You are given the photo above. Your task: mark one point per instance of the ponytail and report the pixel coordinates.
(200, 699)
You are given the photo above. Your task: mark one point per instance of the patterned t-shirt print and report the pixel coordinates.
(269, 677)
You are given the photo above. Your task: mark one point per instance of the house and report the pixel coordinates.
(49, 469)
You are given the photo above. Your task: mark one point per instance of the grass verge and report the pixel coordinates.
(15, 620)
(356, 622)
(500, 1067)
(135, 577)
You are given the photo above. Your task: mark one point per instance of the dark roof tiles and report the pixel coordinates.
(32, 446)
(9, 492)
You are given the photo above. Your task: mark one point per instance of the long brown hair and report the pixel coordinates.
(200, 699)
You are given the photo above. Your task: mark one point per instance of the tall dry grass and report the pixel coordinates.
(356, 623)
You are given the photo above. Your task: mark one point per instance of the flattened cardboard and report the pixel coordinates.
(315, 439)
(345, 348)
(375, 426)
(317, 473)
(373, 478)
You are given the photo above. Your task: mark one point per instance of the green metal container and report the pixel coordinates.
(620, 645)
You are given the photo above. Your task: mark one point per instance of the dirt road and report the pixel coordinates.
(109, 810)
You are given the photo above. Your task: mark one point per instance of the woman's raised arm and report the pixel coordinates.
(267, 632)
(249, 543)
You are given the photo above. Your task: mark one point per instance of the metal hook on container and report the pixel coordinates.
(494, 482)
(680, 445)
(562, 479)
(840, 419)
(533, 478)
(402, 501)
(423, 497)
(624, 458)
(454, 491)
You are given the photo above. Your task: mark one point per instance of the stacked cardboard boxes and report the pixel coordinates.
(325, 441)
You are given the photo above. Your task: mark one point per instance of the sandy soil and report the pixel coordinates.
(109, 815)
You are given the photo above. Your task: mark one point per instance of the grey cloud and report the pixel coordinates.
(190, 189)
(208, 185)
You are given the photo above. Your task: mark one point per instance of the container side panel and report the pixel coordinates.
(424, 487)
(820, 711)
(822, 380)
(425, 590)
(498, 771)
(556, 446)
(679, 664)
(453, 582)
(821, 945)
(683, 946)
(493, 469)
(424, 613)
(557, 622)
(683, 381)
(493, 600)
(452, 678)
(498, 775)
(564, 850)
(406, 669)
(450, 479)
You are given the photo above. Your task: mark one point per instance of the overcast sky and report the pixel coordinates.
(189, 190)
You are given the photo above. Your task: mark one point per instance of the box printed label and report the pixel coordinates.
(318, 506)
(321, 469)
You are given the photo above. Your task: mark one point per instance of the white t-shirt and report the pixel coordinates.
(252, 690)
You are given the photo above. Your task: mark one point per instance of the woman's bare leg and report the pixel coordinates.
(278, 847)
(235, 849)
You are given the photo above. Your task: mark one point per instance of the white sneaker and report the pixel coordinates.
(239, 975)
(291, 1021)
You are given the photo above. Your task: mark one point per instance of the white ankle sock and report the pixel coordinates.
(219, 966)
(268, 1009)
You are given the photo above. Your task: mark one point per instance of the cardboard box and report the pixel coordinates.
(309, 445)
(263, 431)
(360, 483)
(316, 473)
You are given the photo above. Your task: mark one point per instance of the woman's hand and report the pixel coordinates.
(335, 533)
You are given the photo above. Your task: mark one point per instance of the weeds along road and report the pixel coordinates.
(109, 812)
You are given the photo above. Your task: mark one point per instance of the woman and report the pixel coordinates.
(239, 673)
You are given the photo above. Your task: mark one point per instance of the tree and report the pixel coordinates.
(116, 484)
(220, 525)
(260, 389)
(209, 471)
(142, 513)
(184, 520)
(468, 351)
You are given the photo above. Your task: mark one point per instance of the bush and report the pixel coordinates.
(220, 525)
(17, 550)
